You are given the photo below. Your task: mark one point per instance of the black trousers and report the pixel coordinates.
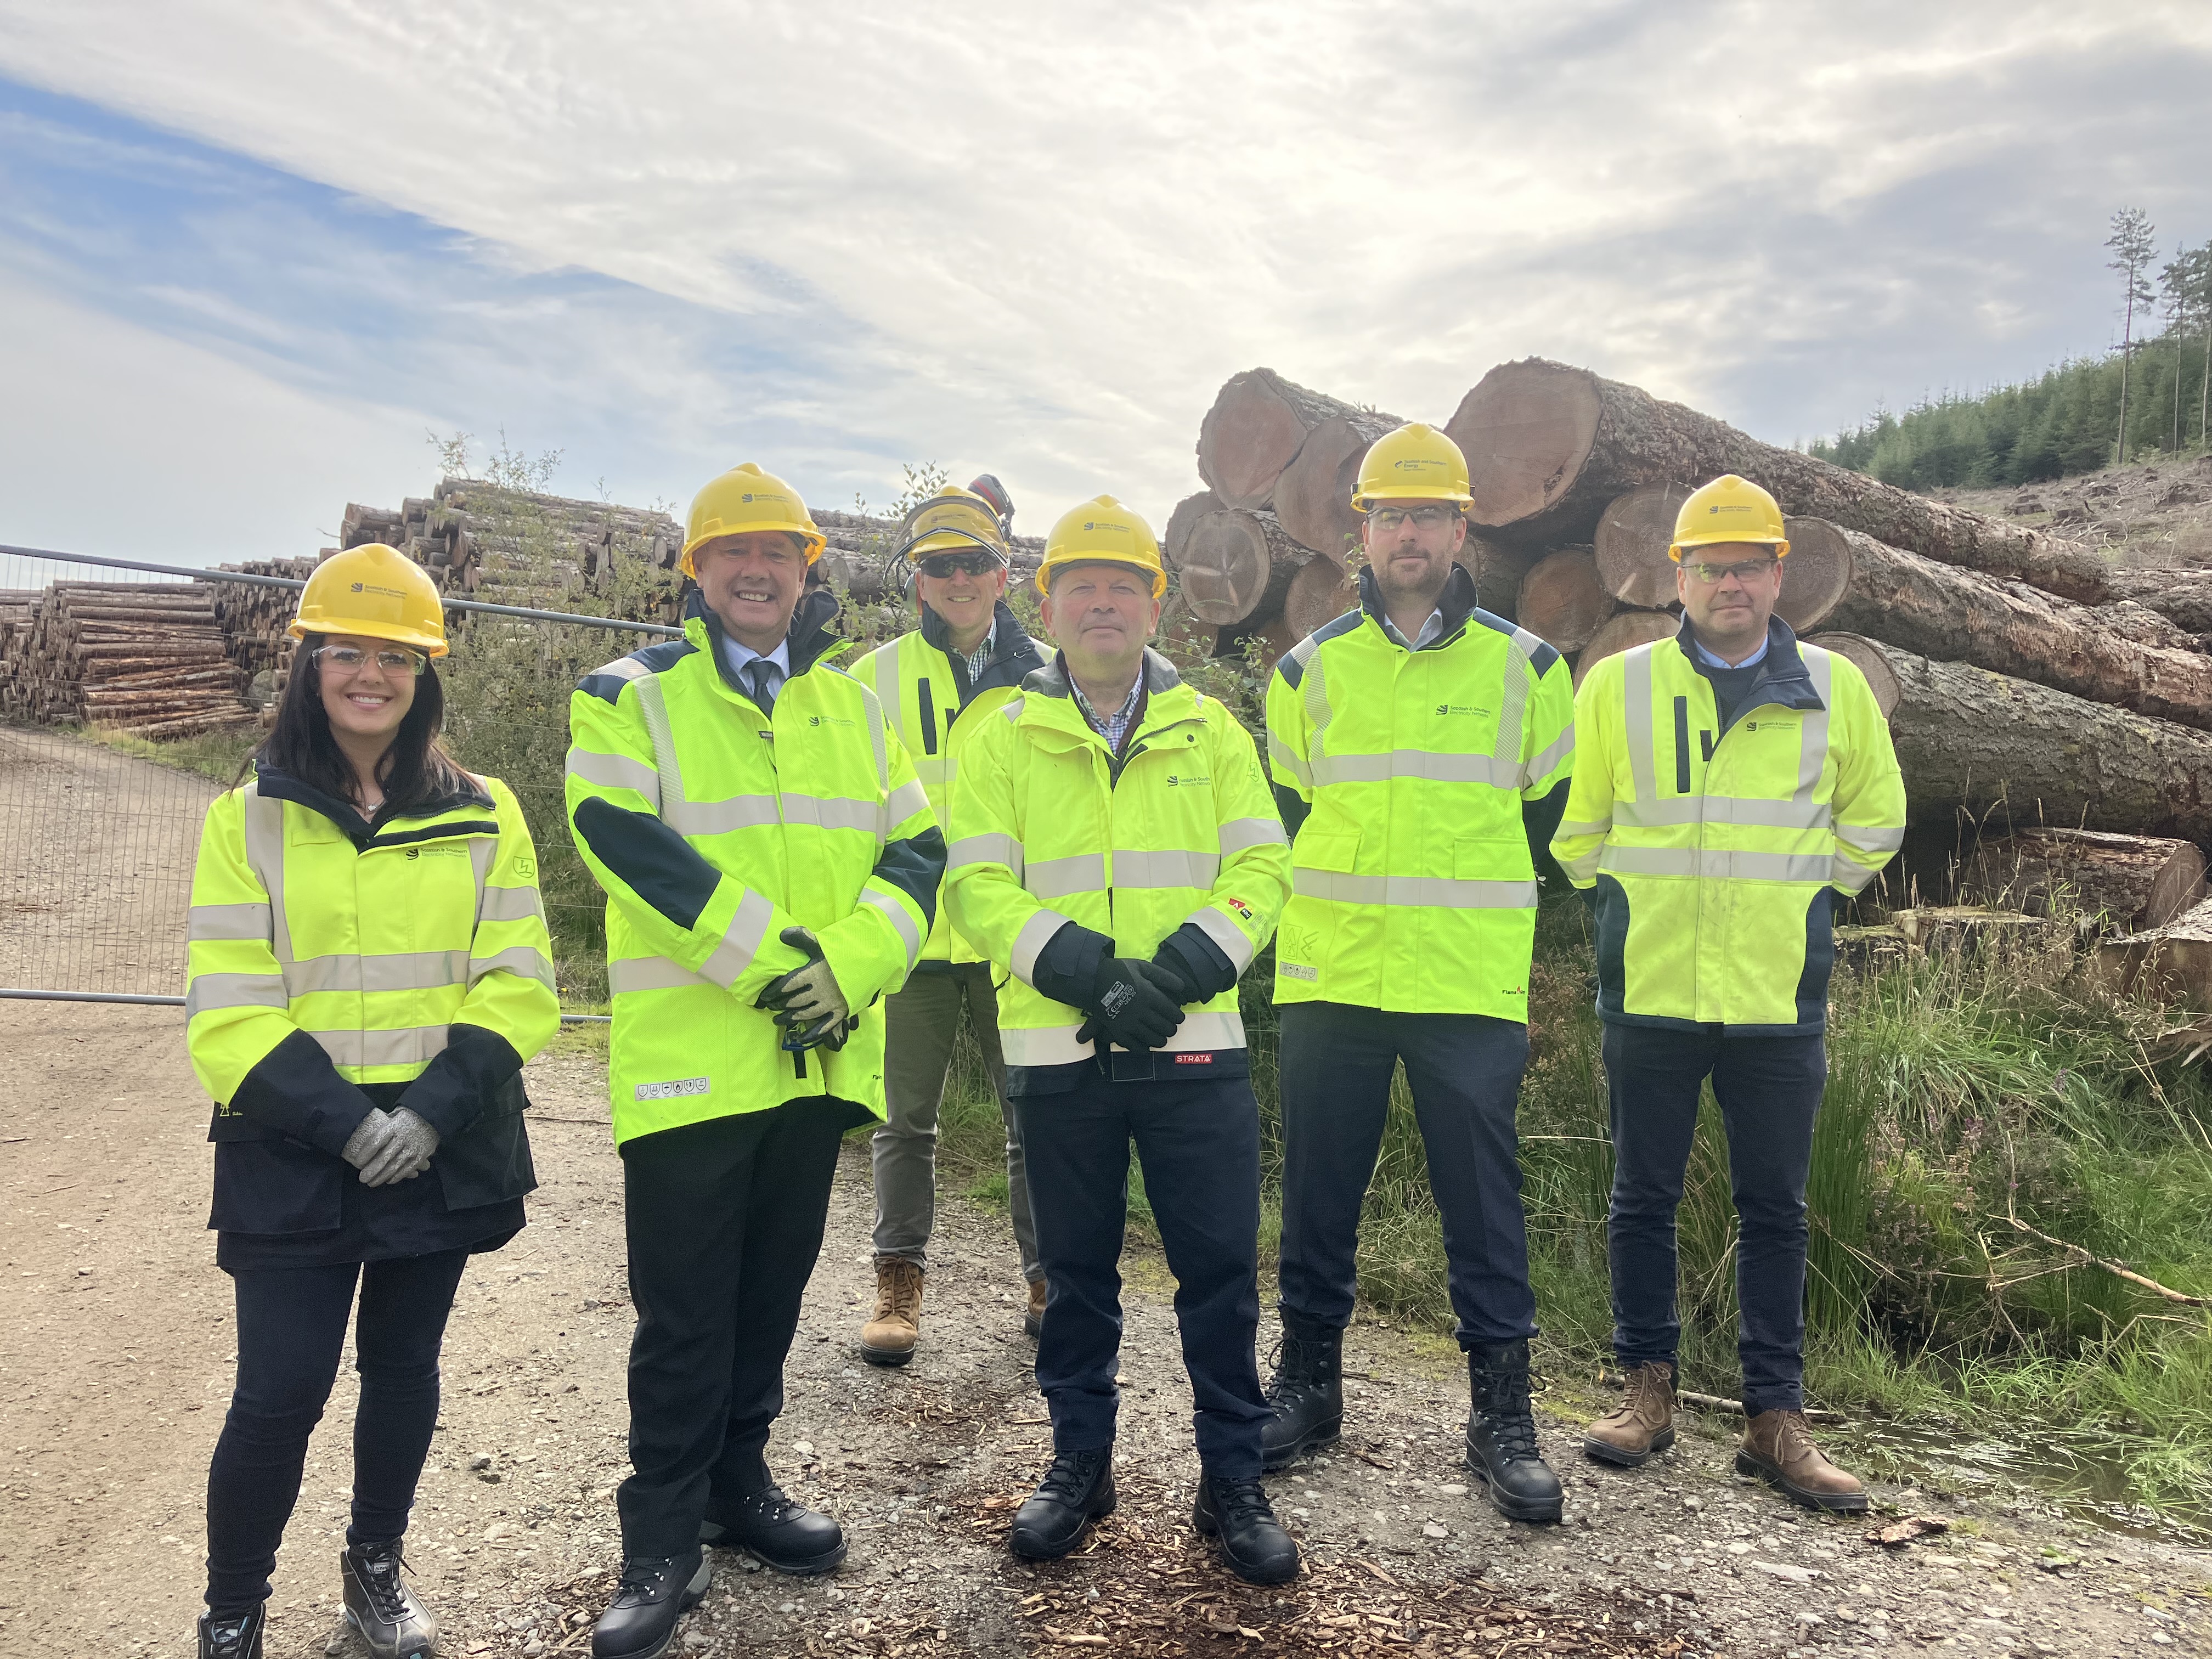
(1769, 1090)
(1464, 1072)
(1199, 1144)
(291, 1330)
(724, 1220)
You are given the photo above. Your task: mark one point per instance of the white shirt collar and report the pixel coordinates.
(1432, 629)
(737, 655)
(1711, 661)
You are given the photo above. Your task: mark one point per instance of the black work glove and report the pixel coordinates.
(1131, 1005)
(807, 1002)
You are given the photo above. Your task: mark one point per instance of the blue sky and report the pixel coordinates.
(249, 256)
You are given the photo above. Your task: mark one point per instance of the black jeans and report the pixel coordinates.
(1200, 1146)
(724, 1221)
(1464, 1072)
(1769, 1090)
(291, 1329)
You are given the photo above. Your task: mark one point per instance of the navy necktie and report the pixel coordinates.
(759, 671)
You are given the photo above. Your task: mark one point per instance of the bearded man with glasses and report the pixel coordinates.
(1733, 784)
(968, 656)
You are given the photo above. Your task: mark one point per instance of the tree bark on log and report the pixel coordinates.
(1561, 600)
(1313, 497)
(2014, 755)
(1624, 631)
(1633, 534)
(1185, 517)
(1498, 570)
(1236, 565)
(2173, 960)
(1549, 447)
(1853, 583)
(1257, 425)
(1319, 593)
(2131, 882)
(2184, 596)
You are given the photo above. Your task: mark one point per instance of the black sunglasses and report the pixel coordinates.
(940, 565)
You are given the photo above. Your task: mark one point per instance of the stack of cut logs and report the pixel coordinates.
(2029, 680)
(146, 658)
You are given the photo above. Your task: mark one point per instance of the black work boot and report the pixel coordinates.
(1253, 1542)
(782, 1531)
(654, 1593)
(1501, 1434)
(1076, 1489)
(1307, 1392)
(381, 1607)
(237, 1636)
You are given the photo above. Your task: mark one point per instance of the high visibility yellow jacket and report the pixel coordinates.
(1404, 774)
(925, 690)
(1177, 841)
(713, 827)
(324, 956)
(1713, 852)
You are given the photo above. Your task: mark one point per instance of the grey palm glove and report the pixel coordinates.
(406, 1152)
(370, 1139)
(807, 995)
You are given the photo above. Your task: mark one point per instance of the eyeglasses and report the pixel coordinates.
(349, 658)
(1745, 570)
(941, 565)
(1387, 519)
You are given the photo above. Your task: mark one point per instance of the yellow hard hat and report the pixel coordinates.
(953, 520)
(1729, 509)
(376, 592)
(1102, 532)
(1415, 462)
(745, 499)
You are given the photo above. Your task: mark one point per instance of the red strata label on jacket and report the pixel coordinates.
(1193, 1060)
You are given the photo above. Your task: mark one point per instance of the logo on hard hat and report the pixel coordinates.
(1731, 507)
(1416, 463)
(356, 587)
(747, 496)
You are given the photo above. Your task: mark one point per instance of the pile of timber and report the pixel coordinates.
(146, 658)
(255, 618)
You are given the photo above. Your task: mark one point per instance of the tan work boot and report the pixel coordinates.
(1643, 1425)
(1778, 1448)
(1033, 1316)
(889, 1337)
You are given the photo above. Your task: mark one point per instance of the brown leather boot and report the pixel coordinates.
(1778, 1448)
(1643, 1425)
(1033, 1319)
(889, 1337)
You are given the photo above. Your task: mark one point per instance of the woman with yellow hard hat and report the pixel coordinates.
(369, 970)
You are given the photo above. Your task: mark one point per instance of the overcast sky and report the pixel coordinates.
(251, 253)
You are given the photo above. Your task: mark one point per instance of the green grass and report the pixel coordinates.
(216, 755)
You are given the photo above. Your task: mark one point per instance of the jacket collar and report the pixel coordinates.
(1014, 654)
(1050, 700)
(1781, 677)
(1456, 602)
(809, 636)
(1051, 679)
(274, 783)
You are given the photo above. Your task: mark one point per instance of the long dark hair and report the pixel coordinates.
(414, 770)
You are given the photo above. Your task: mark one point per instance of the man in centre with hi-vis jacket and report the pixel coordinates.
(1115, 851)
(1421, 748)
(771, 866)
(966, 659)
(1733, 784)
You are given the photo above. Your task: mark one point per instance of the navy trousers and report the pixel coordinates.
(1199, 1144)
(291, 1331)
(1465, 1072)
(1769, 1090)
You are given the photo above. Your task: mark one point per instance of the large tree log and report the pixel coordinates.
(1633, 534)
(1624, 631)
(2182, 596)
(1320, 592)
(2171, 961)
(1185, 516)
(1549, 447)
(1873, 660)
(1561, 600)
(2011, 753)
(1236, 565)
(1313, 497)
(1257, 425)
(1498, 570)
(1839, 579)
(2132, 882)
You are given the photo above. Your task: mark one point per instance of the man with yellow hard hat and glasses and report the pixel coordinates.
(1733, 783)
(967, 658)
(771, 866)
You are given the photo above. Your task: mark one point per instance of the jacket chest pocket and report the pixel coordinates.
(423, 896)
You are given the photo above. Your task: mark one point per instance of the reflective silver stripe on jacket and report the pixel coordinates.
(992, 848)
(264, 852)
(615, 772)
(908, 931)
(228, 922)
(1764, 813)
(1717, 864)
(1232, 939)
(905, 801)
(210, 992)
(400, 970)
(1203, 1030)
(1052, 878)
(413, 1045)
(1284, 759)
(1238, 834)
(1036, 933)
(741, 942)
(511, 904)
(523, 961)
(1417, 764)
(1173, 867)
(652, 974)
(1540, 766)
(1437, 892)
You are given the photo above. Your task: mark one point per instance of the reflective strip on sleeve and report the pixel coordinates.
(1052, 878)
(208, 992)
(1716, 864)
(1869, 838)
(1546, 759)
(413, 1045)
(1848, 876)
(1283, 760)
(523, 961)
(264, 851)
(905, 801)
(1036, 933)
(720, 817)
(229, 922)
(905, 923)
(1766, 814)
(1433, 892)
(934, 771)
(1584, 827)
(512, 904)
(741, 943)
(1583, 866)
(1235, 943)
(1203, 1030)
(622, 668)
(1173, 868)
(651, 974)
(1417, 764)
(615, 772)
(992, 848)
(1238, 833)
